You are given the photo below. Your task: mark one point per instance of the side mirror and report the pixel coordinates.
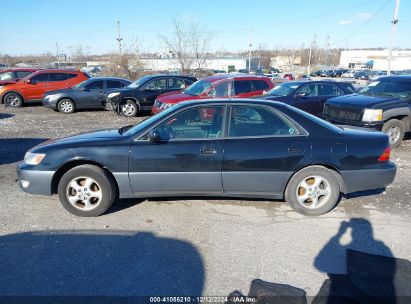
(154, 136)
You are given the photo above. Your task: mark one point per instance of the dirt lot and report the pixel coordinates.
(178, 246)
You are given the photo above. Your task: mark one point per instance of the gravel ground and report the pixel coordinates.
(178, 246)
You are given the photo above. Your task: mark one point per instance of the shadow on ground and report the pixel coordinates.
(96, 263)
(5, 115)
(13, 149)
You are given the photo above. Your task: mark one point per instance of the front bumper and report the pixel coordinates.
(34, 181)
(49, 103)
(369, 179)
(374, 125)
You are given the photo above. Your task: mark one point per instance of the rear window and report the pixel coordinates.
(242, 86)
(260, 85)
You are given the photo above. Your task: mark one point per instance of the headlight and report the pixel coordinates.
(166, 105)
(372, 115)
(33, 158)
(112, 95)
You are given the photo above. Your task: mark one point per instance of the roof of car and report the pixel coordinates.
(218, 77)
(108, 78)
(170, 75)
(232, 100)
(19, 70)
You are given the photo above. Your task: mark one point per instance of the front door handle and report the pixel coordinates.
(208, 151)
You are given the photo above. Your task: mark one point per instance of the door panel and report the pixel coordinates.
(261, 152)
(175, 167)
(261, 165)
(35, 89)
(186, 157)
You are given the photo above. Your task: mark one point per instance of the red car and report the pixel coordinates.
(13, 75)
(289, 76)
(33, 87)
(218, 86)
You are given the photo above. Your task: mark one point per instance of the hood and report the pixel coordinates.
(82, 138)
(175, 97)
(358, 101)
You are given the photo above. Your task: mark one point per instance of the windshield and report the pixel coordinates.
(146, 122)
(6, 76)
(388, 88)
(138, 82)
(283, 89)
(198, 88)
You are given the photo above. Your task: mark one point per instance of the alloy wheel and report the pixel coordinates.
(394, 134)
(84, 193)
(128, 109)
(66, 106)
(12, 100)
(313, 192)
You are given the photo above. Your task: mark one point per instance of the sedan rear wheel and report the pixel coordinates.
(86, 190)
(13, 100)
(313, 190)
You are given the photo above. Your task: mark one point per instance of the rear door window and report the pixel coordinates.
(242, 87)
(329, 90)
(176, 84)
(247, 121)
(260, 85)
(156, 85)
(60, 76)
(221, 89)
(115, 84)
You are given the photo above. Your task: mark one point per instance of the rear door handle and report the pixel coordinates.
(295, 150)
(208, 151)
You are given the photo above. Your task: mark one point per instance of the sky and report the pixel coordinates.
(34, 27)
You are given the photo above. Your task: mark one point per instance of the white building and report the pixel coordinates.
(216, 63)
(375, 59)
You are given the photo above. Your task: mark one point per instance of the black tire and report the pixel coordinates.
(326, 202)
(128, 108)
(13, 100)
(66, 106)
(103, 182)
(395, 129)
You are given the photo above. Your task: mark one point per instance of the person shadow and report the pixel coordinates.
(360, 270)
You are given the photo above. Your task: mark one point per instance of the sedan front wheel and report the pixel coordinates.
(86, 190)
(129, 108)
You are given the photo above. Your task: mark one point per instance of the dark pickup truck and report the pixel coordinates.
(384, 105)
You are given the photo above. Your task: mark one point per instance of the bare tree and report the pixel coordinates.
(188, 44)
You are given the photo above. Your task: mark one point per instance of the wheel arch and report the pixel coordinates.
(5, 93)
(75, 163)
(330, 167)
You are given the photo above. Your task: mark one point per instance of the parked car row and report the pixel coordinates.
(384, 104)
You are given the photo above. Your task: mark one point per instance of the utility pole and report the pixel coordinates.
(393, 30)
(250, 50)
(119, 39)
(57, 55)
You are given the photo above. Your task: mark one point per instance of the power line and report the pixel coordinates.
(362, 25)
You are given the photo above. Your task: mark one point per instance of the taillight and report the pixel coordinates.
(385, 156)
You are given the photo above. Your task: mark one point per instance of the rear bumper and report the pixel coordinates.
(369, 179)
(35, 181)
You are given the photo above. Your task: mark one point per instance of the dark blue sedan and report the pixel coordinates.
(233, 148)
(89, 94)
(309, 96)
